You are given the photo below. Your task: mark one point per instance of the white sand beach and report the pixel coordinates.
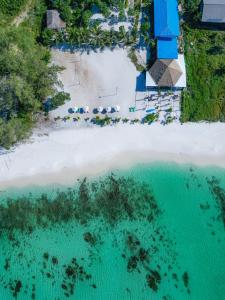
(97, 79)
(63, 155)
(107, 79)
(68, 150)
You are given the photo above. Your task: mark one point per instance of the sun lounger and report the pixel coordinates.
(132, 109)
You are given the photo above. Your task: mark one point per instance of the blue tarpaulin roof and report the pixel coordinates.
(167, 48)
(166, 18)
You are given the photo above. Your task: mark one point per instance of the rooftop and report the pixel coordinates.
(167, 73)
(166, 18)
(214, 1)
(167, 48)
(213, 11)
(54, 21)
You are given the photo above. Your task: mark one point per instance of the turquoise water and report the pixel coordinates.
(171, 249)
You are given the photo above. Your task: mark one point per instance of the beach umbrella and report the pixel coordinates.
(109, 109)
(100, 109)
(86, 109)
(117, 108)
(75, 109)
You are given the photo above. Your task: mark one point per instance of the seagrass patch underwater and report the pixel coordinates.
(150, 232)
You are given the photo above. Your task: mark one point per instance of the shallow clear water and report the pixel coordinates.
(182, 248)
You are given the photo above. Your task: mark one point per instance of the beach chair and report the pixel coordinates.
(132, 109)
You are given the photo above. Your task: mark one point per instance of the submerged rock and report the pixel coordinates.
(132, 242)
(185, 278)
(90, 238)
(16, 287)
(153, 280)
(55, 260)
(73, 273)
(219, 194)
(7, 264)
(46, 256)
(132, 263)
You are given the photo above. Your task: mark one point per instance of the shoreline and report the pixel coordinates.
(68, 154)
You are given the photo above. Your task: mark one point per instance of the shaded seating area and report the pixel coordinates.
(166, 73)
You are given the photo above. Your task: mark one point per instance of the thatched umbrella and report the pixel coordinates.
(165, 72)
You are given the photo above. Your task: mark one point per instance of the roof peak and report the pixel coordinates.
(166, 18)
(214, 2)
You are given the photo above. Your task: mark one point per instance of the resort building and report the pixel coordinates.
(54, 21)
(166, 28)
(213, 11)
(169, 68)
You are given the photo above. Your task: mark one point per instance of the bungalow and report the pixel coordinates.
(213, 11)
(169, 68)
(54, 21)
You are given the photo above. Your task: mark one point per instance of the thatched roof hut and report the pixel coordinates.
(54, 21)
(165, 72)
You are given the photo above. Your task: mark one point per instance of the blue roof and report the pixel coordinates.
(167, 48)
(166, 18)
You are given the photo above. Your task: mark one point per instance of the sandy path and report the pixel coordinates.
(23, 15)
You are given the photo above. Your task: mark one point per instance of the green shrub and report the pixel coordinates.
(11, 7)
(59, 99)
(26, 81)
(204, 98)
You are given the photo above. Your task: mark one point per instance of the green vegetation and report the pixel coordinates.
(26, 81)
(11, 7)
(83, 31)
(151, 118)
(25, 75)
(101, 121)
(133, 57)
(205, 62)
(59, 99)
(36, 20)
